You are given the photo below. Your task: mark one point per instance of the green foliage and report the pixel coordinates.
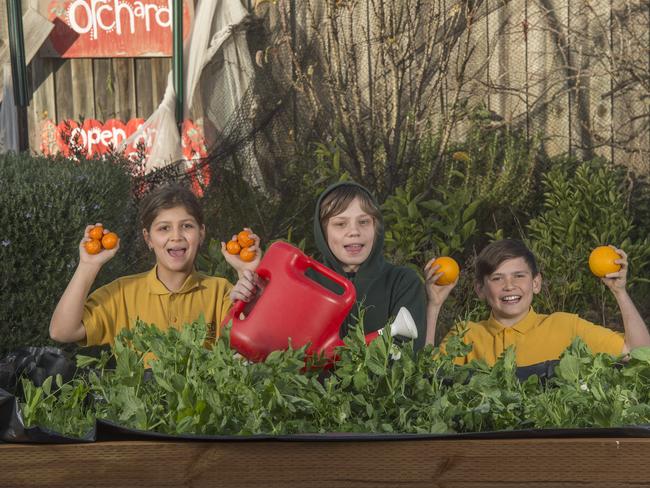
(211, 262)
(381, 388)
(418, 229)
(45, 205)
(50, 406)
(594, 391)
(584, 206)
(495, 163)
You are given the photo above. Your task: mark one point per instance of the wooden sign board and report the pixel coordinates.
(112, 28)
(92, 137)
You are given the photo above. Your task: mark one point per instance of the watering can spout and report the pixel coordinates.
(402, 326)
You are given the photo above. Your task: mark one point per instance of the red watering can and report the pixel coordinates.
(292, 309)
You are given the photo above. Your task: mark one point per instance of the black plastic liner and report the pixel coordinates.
(39, 363)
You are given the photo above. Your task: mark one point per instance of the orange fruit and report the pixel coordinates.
(244, 238)
(96, 233)
(93, 246)
(233, 247)
(247, 255)
(601, 261)
(450, 269)
(109, 241)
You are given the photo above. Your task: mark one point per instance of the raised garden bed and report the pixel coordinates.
(591, 462)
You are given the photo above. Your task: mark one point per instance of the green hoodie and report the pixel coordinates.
(382, 288)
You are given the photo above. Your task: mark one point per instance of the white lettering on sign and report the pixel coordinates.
(93, 138)
(117, 15)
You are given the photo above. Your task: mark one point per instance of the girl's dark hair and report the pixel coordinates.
(340, 198)
(497, 252)
(169, 196)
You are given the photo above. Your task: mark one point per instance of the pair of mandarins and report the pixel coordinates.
(99, 241)
(241, 245)
(601, 262)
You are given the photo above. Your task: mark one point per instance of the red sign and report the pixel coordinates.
(92, 138)
(112, 28)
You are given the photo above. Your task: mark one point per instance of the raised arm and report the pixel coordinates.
(66, 323)
(636, 331)
(436, 296)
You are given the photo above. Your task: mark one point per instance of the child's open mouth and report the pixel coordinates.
(353, 248)
(177, 252)
(511, 299)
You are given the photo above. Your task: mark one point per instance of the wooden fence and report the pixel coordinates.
(102, 89)
(574, 72)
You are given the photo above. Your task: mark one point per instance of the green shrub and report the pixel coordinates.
(45, 205)
(418, 229)
(500, 166)
(585, 205)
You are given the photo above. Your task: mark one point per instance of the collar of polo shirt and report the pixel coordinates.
(523, 326)
(156, 287)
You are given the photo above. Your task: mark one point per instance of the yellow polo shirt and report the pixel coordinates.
(537, 338)
(119, 304)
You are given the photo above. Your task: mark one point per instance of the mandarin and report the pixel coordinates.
(244, 238)
(93, 246)
(96, 233)
(109, 241)
(246, 255)
(601, 261)
(449, 269)
(233, 247)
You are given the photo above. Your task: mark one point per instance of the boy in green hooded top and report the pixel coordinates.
(349, 232)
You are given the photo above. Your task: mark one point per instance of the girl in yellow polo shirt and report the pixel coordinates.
(171, 294)
(507, 277)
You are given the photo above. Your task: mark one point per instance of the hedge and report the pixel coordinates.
(45, 205)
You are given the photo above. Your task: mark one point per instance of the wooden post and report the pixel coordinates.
(18, 69)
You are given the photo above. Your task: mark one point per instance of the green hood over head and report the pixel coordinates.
(381, 287)
(375, 260)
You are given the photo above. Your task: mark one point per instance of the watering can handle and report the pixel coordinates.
(238, 307)
(348, 287)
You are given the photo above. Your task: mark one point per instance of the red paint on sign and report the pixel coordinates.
(92, 138)
(114, 28)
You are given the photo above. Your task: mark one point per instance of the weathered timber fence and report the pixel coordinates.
(575, 73)
(83, 88)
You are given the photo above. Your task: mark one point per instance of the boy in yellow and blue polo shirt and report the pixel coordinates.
(507, 277)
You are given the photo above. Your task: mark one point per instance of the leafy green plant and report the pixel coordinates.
(494, 162)
(62, 407)
(418, 229)
(384, 387)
